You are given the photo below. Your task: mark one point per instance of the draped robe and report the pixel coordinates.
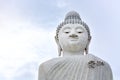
(83, 67)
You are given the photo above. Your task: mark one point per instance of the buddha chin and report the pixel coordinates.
(74, 46)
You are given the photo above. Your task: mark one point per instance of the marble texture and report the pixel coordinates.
(75, 68)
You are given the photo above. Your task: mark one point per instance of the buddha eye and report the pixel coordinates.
(79, 32)
(67, 32)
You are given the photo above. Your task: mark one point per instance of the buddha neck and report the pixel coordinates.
(70, 53)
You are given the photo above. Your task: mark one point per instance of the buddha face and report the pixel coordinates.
(73, 37)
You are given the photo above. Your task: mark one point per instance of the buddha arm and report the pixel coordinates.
(110, 75)
(41, 74)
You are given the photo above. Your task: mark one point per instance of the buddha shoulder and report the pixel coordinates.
(87, 59)
(97, 60)
(46, 66)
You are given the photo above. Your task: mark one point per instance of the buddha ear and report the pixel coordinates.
(87, 46)
(56, 39)
(89, 40)
(59, 48)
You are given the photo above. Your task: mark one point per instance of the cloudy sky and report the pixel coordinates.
(27, 30)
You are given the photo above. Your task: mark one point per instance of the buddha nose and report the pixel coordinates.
(73, 35)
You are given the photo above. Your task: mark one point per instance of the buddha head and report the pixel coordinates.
(72, 35)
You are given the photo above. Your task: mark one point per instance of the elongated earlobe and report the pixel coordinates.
(87, 46)
(59, 48)
(59, 51)
(86, 50)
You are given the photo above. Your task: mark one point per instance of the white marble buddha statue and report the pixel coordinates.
(73, 38)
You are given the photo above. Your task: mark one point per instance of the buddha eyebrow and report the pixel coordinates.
(79, 28)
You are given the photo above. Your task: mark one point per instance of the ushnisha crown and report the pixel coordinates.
(72, 17)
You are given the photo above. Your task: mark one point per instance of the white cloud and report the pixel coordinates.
(22, 42)
(62, 3)
(19, 40)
